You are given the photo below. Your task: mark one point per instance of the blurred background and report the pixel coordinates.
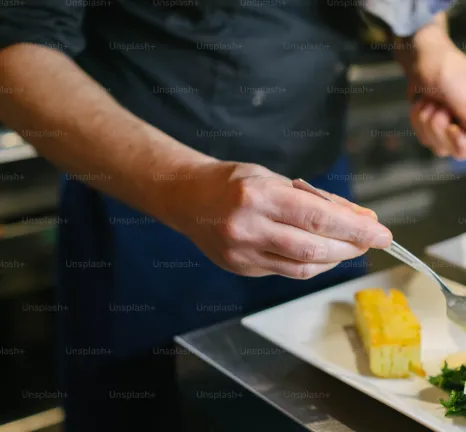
(402, 181)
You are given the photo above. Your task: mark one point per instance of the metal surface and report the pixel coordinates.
(27, 188)
(28, 193)
(14, 148)
(36, 422)
(304, 394)
(374, 73)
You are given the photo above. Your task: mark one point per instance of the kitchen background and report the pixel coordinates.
(393, 174)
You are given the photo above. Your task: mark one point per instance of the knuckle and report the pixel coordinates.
(424, 119)
(231, 230)
(279, 244)
(439, 121)
(305, 271)
(246, 196)
(316, 221)
(311, 253)
(257, 169)
(360, 237)
(232, 258)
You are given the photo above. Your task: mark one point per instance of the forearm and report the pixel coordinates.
(423, 46)
(76, 125)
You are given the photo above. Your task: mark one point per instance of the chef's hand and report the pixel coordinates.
(437, 87)
(251, 221)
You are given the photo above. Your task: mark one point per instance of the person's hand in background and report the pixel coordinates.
(253, 222)
(436, 71)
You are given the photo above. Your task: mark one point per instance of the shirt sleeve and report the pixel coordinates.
(55, 24)
(405, 17)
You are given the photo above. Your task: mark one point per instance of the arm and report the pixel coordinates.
(423, 49)
(436, 72)
(72, 121)
(82, 130)
(419, 29)
(435, 68)
(245, 218)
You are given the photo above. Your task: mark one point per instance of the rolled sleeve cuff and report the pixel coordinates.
(50, 23)
(406, 17)
(9, 38)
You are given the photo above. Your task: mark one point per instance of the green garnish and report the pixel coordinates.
(456, 404)
(452, 380)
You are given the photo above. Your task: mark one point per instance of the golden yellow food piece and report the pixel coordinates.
(390, 332)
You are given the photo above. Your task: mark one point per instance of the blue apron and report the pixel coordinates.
(130, 285)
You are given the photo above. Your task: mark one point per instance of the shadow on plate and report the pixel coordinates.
(341, 315)
(362, 363)
(459, 421)
(433, 395)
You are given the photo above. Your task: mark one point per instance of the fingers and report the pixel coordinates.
(415, 116)
(298, 245)
(352, 206)
(436, 125)
(458, 138)
(430, 122)
(293, 269)
(302, 185)
(315, 215)
(435, 128)
(267, 264)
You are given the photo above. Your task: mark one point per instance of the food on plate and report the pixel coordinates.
(455, 360)
(452, 380)
(390, 332)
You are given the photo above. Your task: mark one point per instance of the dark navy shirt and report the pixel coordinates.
(249, 80)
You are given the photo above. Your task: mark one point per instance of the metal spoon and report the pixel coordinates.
(456, 304)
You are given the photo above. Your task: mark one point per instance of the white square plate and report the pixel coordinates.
(319, 329)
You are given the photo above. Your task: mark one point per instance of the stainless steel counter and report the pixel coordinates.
(246, 379)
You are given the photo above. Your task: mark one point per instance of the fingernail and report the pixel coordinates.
(442, 153)
(382, 240)
(462, 142)
(451, 146)
(460, 148)
(372, 214)
(364, 211)
(426, 112)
